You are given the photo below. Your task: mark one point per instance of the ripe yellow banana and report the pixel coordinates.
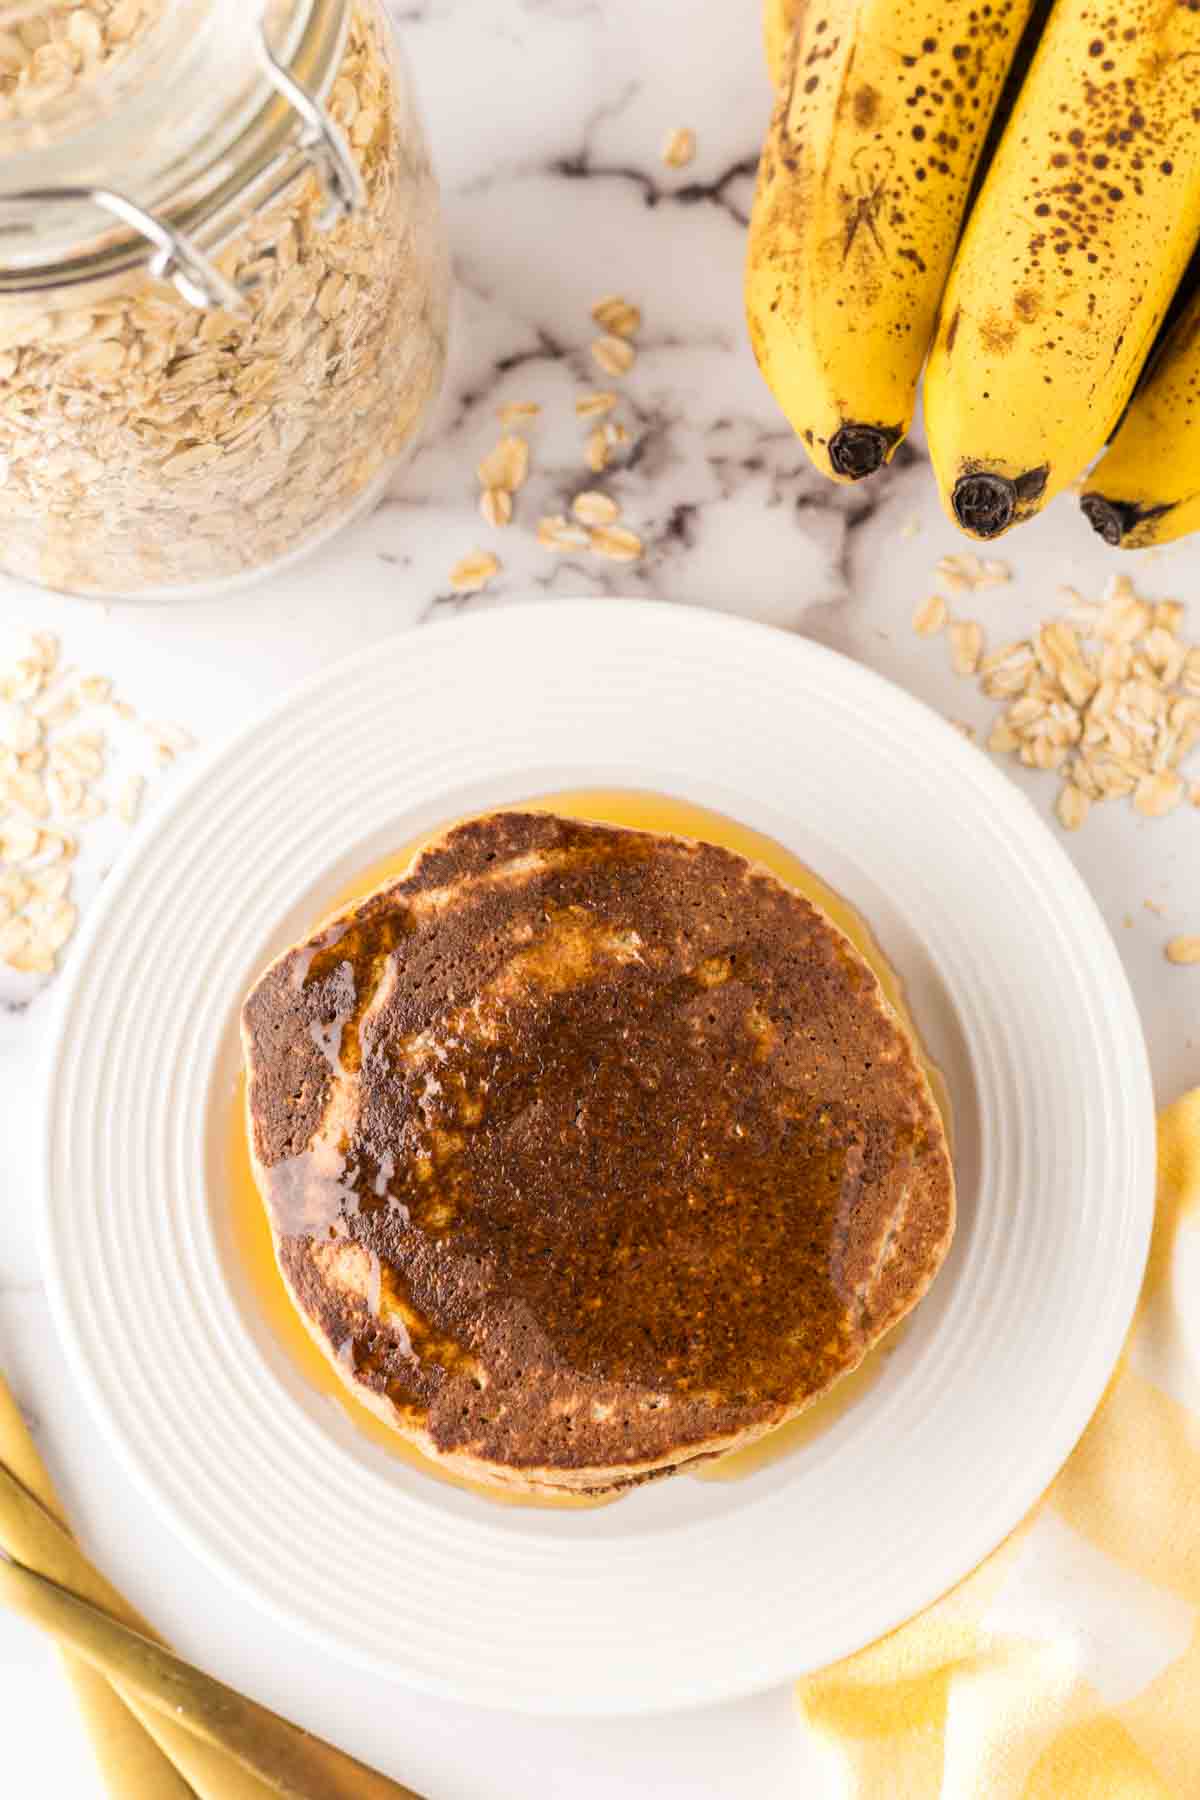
(780, 19)
(1073, 248)
(862, 185)
(1146, 487)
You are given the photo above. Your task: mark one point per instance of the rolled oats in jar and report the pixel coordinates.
(217, 346)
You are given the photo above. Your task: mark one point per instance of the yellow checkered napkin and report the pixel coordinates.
(1067, 1667)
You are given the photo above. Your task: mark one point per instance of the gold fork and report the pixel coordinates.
(145, 1752)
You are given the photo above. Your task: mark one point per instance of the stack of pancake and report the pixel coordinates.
(590, 1152)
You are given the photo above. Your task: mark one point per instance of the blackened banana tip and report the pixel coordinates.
(1107, 517)
(984, 504)
(858, 450)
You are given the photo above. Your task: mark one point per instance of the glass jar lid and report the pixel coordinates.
(158, 155)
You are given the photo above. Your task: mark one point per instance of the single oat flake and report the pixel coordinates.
(496, 505)
(590, 406)
(507, 465)
(1072, 807)
(930, 616)
(1184, 950)
(966, 646)
(596, 451)
(557, 533)
(613, 355)
(471, 574)
(594, 508)
(616, 315)
(680, 148)
(616, 543)
(129, 800)
(517, 410)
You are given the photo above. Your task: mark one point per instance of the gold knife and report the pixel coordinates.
(133, 1763)
(141, 1753)
(290, 1762)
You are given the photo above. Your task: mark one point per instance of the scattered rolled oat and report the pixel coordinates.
(613, 355)
(1158, 794)
(471, 574)
(129, 800)
(966, 646)
(51, 777)
(26, 791)
(679, 148)
(616, 543)
(517, 410)
(20, 841)
(594, 508)
(1184, 950)
(615, 433)
(966, 572)
(1106, 693)
(1072, 806)
(555, 532)
(596, 450)
(589, 406)
(496, 505)
(930, 616)
(951, 576)
(507, 465)
(617, 316)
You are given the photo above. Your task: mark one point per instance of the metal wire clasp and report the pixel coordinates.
(177, 257)
(336, 167)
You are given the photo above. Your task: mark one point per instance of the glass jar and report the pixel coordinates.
(223, 286)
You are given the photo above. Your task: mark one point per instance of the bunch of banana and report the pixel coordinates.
(1076, 240)
(882, 112)
(1083, 227)
(1146, 487)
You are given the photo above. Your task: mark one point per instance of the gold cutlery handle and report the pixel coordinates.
(134, 1762)
(142, 1754)
(289, 1761)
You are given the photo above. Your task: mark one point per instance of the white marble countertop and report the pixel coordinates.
(548, 118)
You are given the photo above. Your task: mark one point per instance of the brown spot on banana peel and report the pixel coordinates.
(997, 334)
(985, 504)
(952, 329)
(865, 105)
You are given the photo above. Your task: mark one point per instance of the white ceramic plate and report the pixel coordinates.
(686, 1591)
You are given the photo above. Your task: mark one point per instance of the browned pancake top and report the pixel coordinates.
(614, 1134)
